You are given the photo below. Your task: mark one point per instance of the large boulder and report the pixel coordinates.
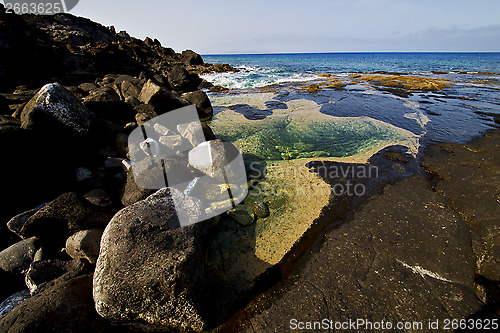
(181, 80)
(150, 271)
(55, 108)
(202, 102)
(160, 97)
(66, 307)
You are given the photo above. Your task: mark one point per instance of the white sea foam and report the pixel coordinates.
(256, 77)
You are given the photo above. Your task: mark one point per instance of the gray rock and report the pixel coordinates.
(202, 102)
(54, 107)
(71, 310)
(84, 244)
(43, 274)
(150, 272)
(13, 301)
(160, 97)
(17, 257)
(16, 223)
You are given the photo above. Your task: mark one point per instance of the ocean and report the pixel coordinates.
(258, 70)
(359, 102)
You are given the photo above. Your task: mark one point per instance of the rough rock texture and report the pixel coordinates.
(55, 108)
(68, 212)
(405, 256)
(468, 177)
(150, 272)
(84, 244)
(191, 58)
(71, 310)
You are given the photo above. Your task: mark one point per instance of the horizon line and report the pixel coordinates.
(333, 52)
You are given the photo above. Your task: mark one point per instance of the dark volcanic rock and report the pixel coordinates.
(150, 272)
(405, 257)
(68, 212)
(203, 105)
(468, 176)
(66, 307)
(191, 58)
(181, 80)
(54, 108)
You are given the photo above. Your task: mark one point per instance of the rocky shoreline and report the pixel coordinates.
(86, 249)
(418, 249)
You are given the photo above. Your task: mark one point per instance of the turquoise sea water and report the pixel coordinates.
(467, 108)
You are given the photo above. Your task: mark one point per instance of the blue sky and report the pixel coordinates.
(273, 26)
